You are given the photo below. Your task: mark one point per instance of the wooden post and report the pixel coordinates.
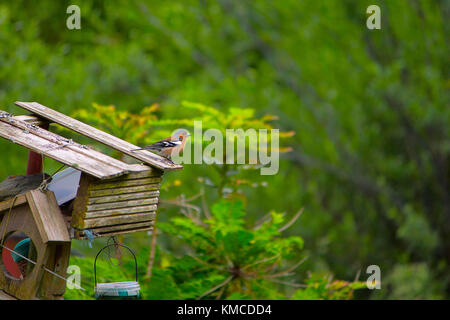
(34, 164)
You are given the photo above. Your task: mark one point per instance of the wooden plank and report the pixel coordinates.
(108, 221)
(66, 143)
(126, 226)
(31, 119)
(116, 230)
(109, 234)
(5, 296)
(122, 230)
(138, 174)
(116, 191)
(120, 211)
(52, 287)
(123, 197)
(47, 215)
(121, 204)
(125, 183)
(105, 160)
(142, 169)
(98, 135)
(5, 205)
(55, 151)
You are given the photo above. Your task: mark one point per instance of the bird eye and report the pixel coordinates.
(181, 137)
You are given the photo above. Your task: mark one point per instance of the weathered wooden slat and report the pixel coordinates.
(113, 220)
(142, 169)
(135, 173)
(120, 211)
(99, 135)
(126, 226)
(48, 217)
(103, 159)
(5, 296)
(5, 205)
(54, 151)
(52, 287)
(109, 234)
(123, 197)
(116, 191)
(125, 183)
(118, 229)
(121, 204)
(67, 143)
(30, 119)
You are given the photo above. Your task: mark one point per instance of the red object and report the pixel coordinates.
(34, 164)
(8, 261)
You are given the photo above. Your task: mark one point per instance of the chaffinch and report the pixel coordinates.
(169, 146)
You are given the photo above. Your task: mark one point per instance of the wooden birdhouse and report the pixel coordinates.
(114, 206)
(96, 196)
(33, 216)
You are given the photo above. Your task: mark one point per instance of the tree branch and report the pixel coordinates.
(216, 287)
(290, 223)
(288, 270)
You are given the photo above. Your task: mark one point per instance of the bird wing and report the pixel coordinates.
(164, 144)
(161, 145)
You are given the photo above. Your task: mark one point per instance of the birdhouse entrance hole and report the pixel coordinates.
(12, 264)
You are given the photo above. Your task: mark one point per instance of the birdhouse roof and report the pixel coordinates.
(73, 154)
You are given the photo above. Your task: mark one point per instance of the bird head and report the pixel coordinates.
(181, 134)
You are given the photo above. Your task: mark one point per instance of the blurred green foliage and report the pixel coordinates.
(225, 260)
(370, 110)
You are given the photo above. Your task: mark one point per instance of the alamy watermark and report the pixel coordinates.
(374, 280)
(74, 278)
(238, 146)
(74, 20)
(374, 20)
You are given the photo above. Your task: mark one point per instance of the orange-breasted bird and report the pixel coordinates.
(169, 146)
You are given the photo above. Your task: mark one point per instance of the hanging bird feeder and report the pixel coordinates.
(125, 289)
